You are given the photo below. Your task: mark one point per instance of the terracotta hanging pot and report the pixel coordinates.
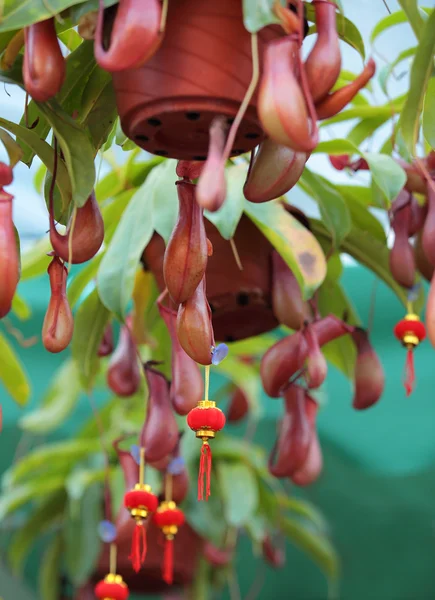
(240, 300)
(187, 550)
(201, 70)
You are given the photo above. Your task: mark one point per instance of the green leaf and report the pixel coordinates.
(45, 152)
(82, 279)
(361, 217)
(239, 490)
(161, 193)
(89, 325)
(413, 14)
(347, 31)
(341, 352)
(80, 480)
(14, 151)
(371, 253)
(47, 514)
(429, 114)
(76, 147)
(52, 458)
(333, 209)
(258, 13)
(117, 270)
(90, 5)
(395, 18)
(387, 176)
(421, 70)
(98, 111)
(298, 247)
(49, 581)
(245, 377)
(16, 497)
(350, 34)
(228, 216)
(34, 261)
(12, 373)
(303, 508)
(318, 547)
(19, 13)
(387, 111)
(20, 308)
(386, 71)
(58, 402)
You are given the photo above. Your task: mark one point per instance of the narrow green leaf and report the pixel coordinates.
(318, 547)
(162, 196)
(361, 217)
(387, 175)
(89, 325)
(82, 544)
(71, 39)
(413, 14)
(396, 18)
(117, 270)
(45, 152)
(429, 114)
(421, 70)
(20, 308)
(14, 151)
(239, 491)
(98, 111)
(228, 216)
(367, 112)
(82, 279)
(298, 247)
(245, 377)
(58, 402)
(12, 374)
(76, 147)
(386, 71)
(49, 580)
(19, 13)
(34, 261)
(333, 300)
(47, 514)
(50, 457)
(333, 209)
(373, 254)
(303, 508)
(16, 497)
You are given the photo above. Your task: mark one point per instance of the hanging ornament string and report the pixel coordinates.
(112, 586)
(410, 331)
(168, 518)
(205, 458)
(206, 419)
(140, 501)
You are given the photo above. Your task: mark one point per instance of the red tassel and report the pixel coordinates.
(168, 561)
(204, 470)
(137, 556)
(409, 380)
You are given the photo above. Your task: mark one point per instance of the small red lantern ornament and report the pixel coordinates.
(168, 518)
(410, 331)
(205, 419)
(112, 587)
(140, 501)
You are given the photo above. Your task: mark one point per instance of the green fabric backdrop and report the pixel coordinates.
(378, 485)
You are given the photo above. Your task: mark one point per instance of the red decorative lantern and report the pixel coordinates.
(168, 518)
(111, 588)
(205, 419)
(139, 501)
(410, 331)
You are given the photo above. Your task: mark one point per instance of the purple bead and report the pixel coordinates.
(135, 452)
(219, 354)
(414, 292)
(107, 532)
(176, 466)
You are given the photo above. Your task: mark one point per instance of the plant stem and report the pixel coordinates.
(201, 584)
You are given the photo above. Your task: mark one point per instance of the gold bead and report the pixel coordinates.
(206, 404)
(170, 530)
(410, 340)
(205, 434)
(143, 487)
